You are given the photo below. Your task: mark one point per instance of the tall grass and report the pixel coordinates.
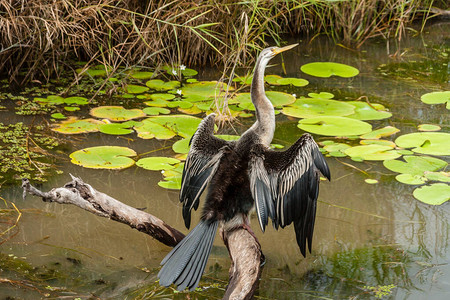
(38, 37)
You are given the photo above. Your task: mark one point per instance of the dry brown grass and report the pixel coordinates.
(38, 37)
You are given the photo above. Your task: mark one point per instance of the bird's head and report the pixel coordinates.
(271, 52)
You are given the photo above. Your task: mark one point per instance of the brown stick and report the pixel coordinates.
(244, 249)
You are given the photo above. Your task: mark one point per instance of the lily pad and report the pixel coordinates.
(308, 108)
(194, 110)
(379, 133)
(244, 79)
(203, 90)
(437, 98)
(372, 152)
(154, 111)
(173, 183)
(371, 181)
(136, 89)
(161, 96)
(378, 142)
(181, 146)
(321, 95)
(364, 111)
(157, 163)
(59, 116)
(327, 69)
(159, 85)
(334, 126)
(183, 125)
(94, 71)
(410, 179)
(298, 82)
(434, 143)
(278, 99)
(116, 113)
(415, 165)
(428, 127)
(272, 79)
(149, 130)
(438, 176)
(434, 194)
(158, 103)
(142, 75)
(76, 100)
(180, 104)
(71, 108)
(104, 157)
(115, 128)
(76, 126)
(337, 149)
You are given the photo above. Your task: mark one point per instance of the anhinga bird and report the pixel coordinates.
(282, 185)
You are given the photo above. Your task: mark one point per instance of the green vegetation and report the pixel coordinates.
(37, 38)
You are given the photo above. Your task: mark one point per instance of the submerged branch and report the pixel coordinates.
(245, 251)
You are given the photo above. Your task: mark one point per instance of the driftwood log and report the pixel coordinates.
(245, 251)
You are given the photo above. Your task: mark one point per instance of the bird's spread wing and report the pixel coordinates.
(201, 164)
(285, 186)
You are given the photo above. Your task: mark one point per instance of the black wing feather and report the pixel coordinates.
(201, 164)
(292, 188)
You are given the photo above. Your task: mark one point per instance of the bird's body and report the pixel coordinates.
(242, 174)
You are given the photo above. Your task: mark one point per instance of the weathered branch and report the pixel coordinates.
(244, 249)
(85, 196)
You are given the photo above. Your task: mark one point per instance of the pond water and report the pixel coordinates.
(370, 240)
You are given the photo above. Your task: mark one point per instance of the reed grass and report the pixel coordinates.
(38, 37)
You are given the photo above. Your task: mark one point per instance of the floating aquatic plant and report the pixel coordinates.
(437, 98)
(116, 113)
(334, 126)
(157, 163)
(434, 143)
(434, 194)
(328, 69)
(104, 157)
(309, 107)
(76, 126)
(372, 152)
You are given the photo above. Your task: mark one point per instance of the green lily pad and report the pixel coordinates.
(437, 98)
(434, 194)
(149, 130)
(278, 99)
(104, 157)
(371, 181)
(428, 127)
(379, 133)
(308, 108)
(71, 108)
(415, 165)
(372, 152)
(364, 111)
(115, 128)
(142, 75)
(272, 79)
(244, 79)
(154, 111)
(95, 71)
(76, 126)
(183, 125)
(203, 90)
(181, 146)
(438, 176)
(158, 103)
(327, 69)
(76, 100)
(334, 126)
(173, 183)
(189, 72)
(378, 142)
(228, 137)
(321, 95)
(298, 82)
(410, 179)
(136, 89)
(180, 104)
(157, 163)
(159, 85)
(58, 116)
(116, 113)
(194, 110)
(337, 149)
(161, 96)
(433, 143)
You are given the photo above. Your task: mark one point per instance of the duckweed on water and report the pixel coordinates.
(23, 152)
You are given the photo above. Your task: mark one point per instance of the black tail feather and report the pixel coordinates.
(185, 264)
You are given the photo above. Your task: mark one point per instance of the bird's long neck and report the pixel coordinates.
(265, 114)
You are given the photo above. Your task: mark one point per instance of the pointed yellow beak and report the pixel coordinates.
(282, 49)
